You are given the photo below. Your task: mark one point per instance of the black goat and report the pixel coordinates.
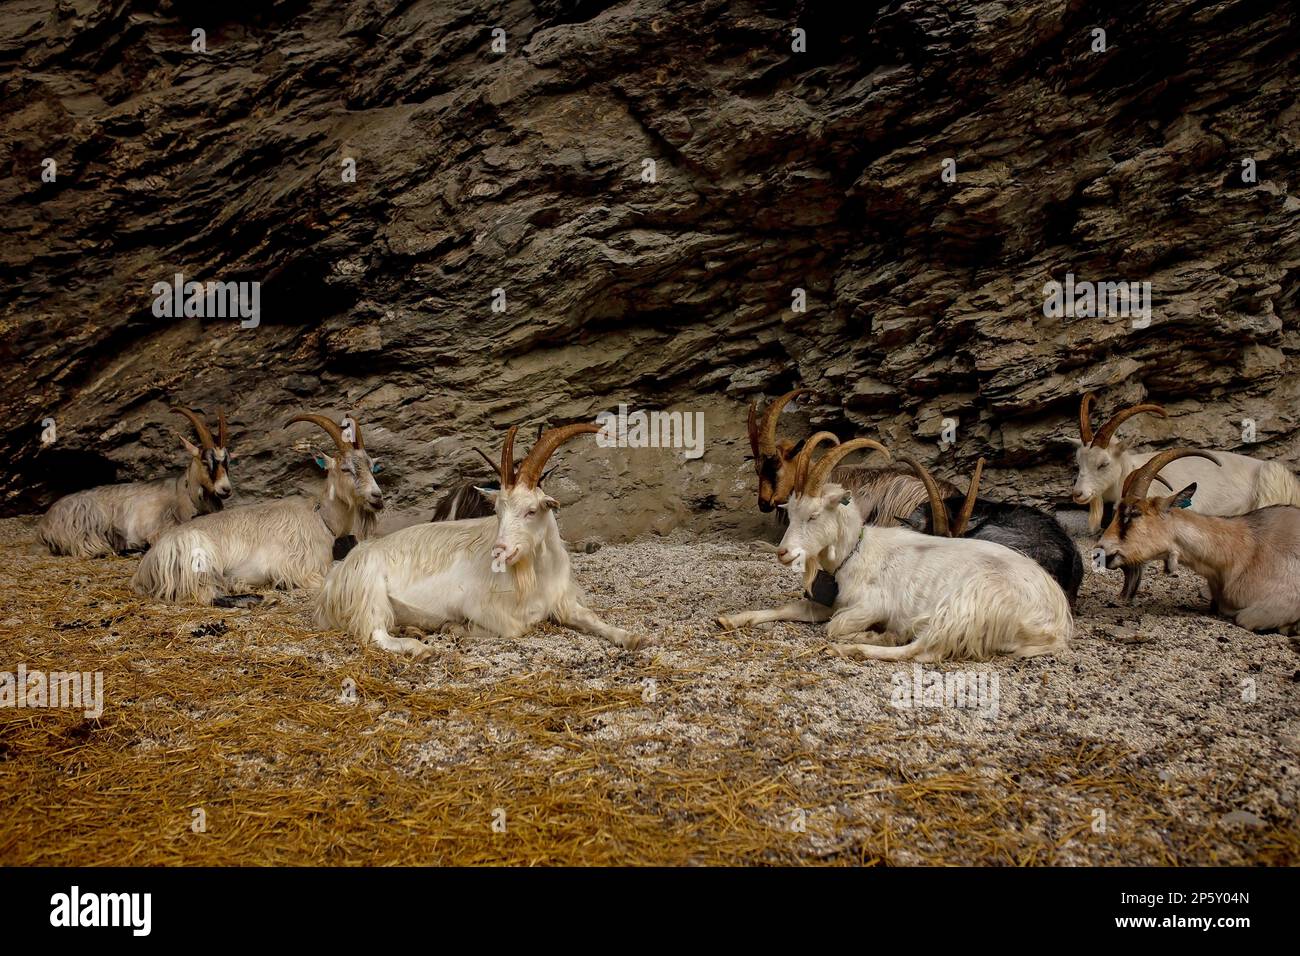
(1033, 533)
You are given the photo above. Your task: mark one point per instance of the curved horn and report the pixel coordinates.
(1136, 485)
(805, 457)
(818, 473)
(357, 440)
(330, 426)
(967, 506)
(938, 510)
(222, 436)
(491, 464)
(205, 436)
(1106, 432)
(506, 470)
(530, 470)
(767, 427)
(1085, 417)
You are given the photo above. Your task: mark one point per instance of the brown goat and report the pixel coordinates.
(1251, 562)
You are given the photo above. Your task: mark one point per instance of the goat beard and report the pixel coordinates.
(811, 566)
(1095, 508)
(525, 575)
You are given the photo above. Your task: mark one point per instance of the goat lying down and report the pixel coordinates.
(1019, 527)
(908, 596)
(288, 543)
(1238, 485)
(893, 494)
(1251, 562)
(884, 495)
(130, 517)
(500, 575)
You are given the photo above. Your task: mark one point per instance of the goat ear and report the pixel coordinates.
(1074, 441)
(550, 503)
(189, 446)
(845, 499)
(323, 461)
(1181, 499)
(376, 467)
(489, 493)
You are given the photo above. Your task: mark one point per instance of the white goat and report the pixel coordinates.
(1250, 562)
(130, 517)
(501, 575)
(933, 598)
(287, 543)
(1241, 484)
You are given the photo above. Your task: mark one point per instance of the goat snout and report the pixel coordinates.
(789, 555)
(1081, 499)
(222, 491)
(505, 553)
(375, 501)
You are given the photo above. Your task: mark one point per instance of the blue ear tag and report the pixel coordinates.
(1184, 504)
(376, 468)
(320, 462)
(846, 499)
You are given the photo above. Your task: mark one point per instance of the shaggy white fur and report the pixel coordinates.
(430, 575)
(100, 521)
(908, 596)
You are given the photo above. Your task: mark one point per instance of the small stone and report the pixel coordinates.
(1244, 817)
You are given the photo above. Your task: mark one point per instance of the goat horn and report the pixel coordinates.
(1106, 432)
(938, 510)
(767, 427)
(1136, 485)
(530, 470)
(506, 471)
(1085, 417)
(357, 440)
(967, 506)
(805, 457)
(491, 464)
(205, 436)
(819, 472)
(222, 437)
(330, 426)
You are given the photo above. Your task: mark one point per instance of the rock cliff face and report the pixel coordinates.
(620, 206)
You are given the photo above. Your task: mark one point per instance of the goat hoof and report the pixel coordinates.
(632, 641)
(418, 650)
(728, 623)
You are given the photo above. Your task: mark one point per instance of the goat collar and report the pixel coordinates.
(338, 533)
(857, 544)
(825, 589)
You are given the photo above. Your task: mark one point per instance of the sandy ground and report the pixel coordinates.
(1163, 736)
